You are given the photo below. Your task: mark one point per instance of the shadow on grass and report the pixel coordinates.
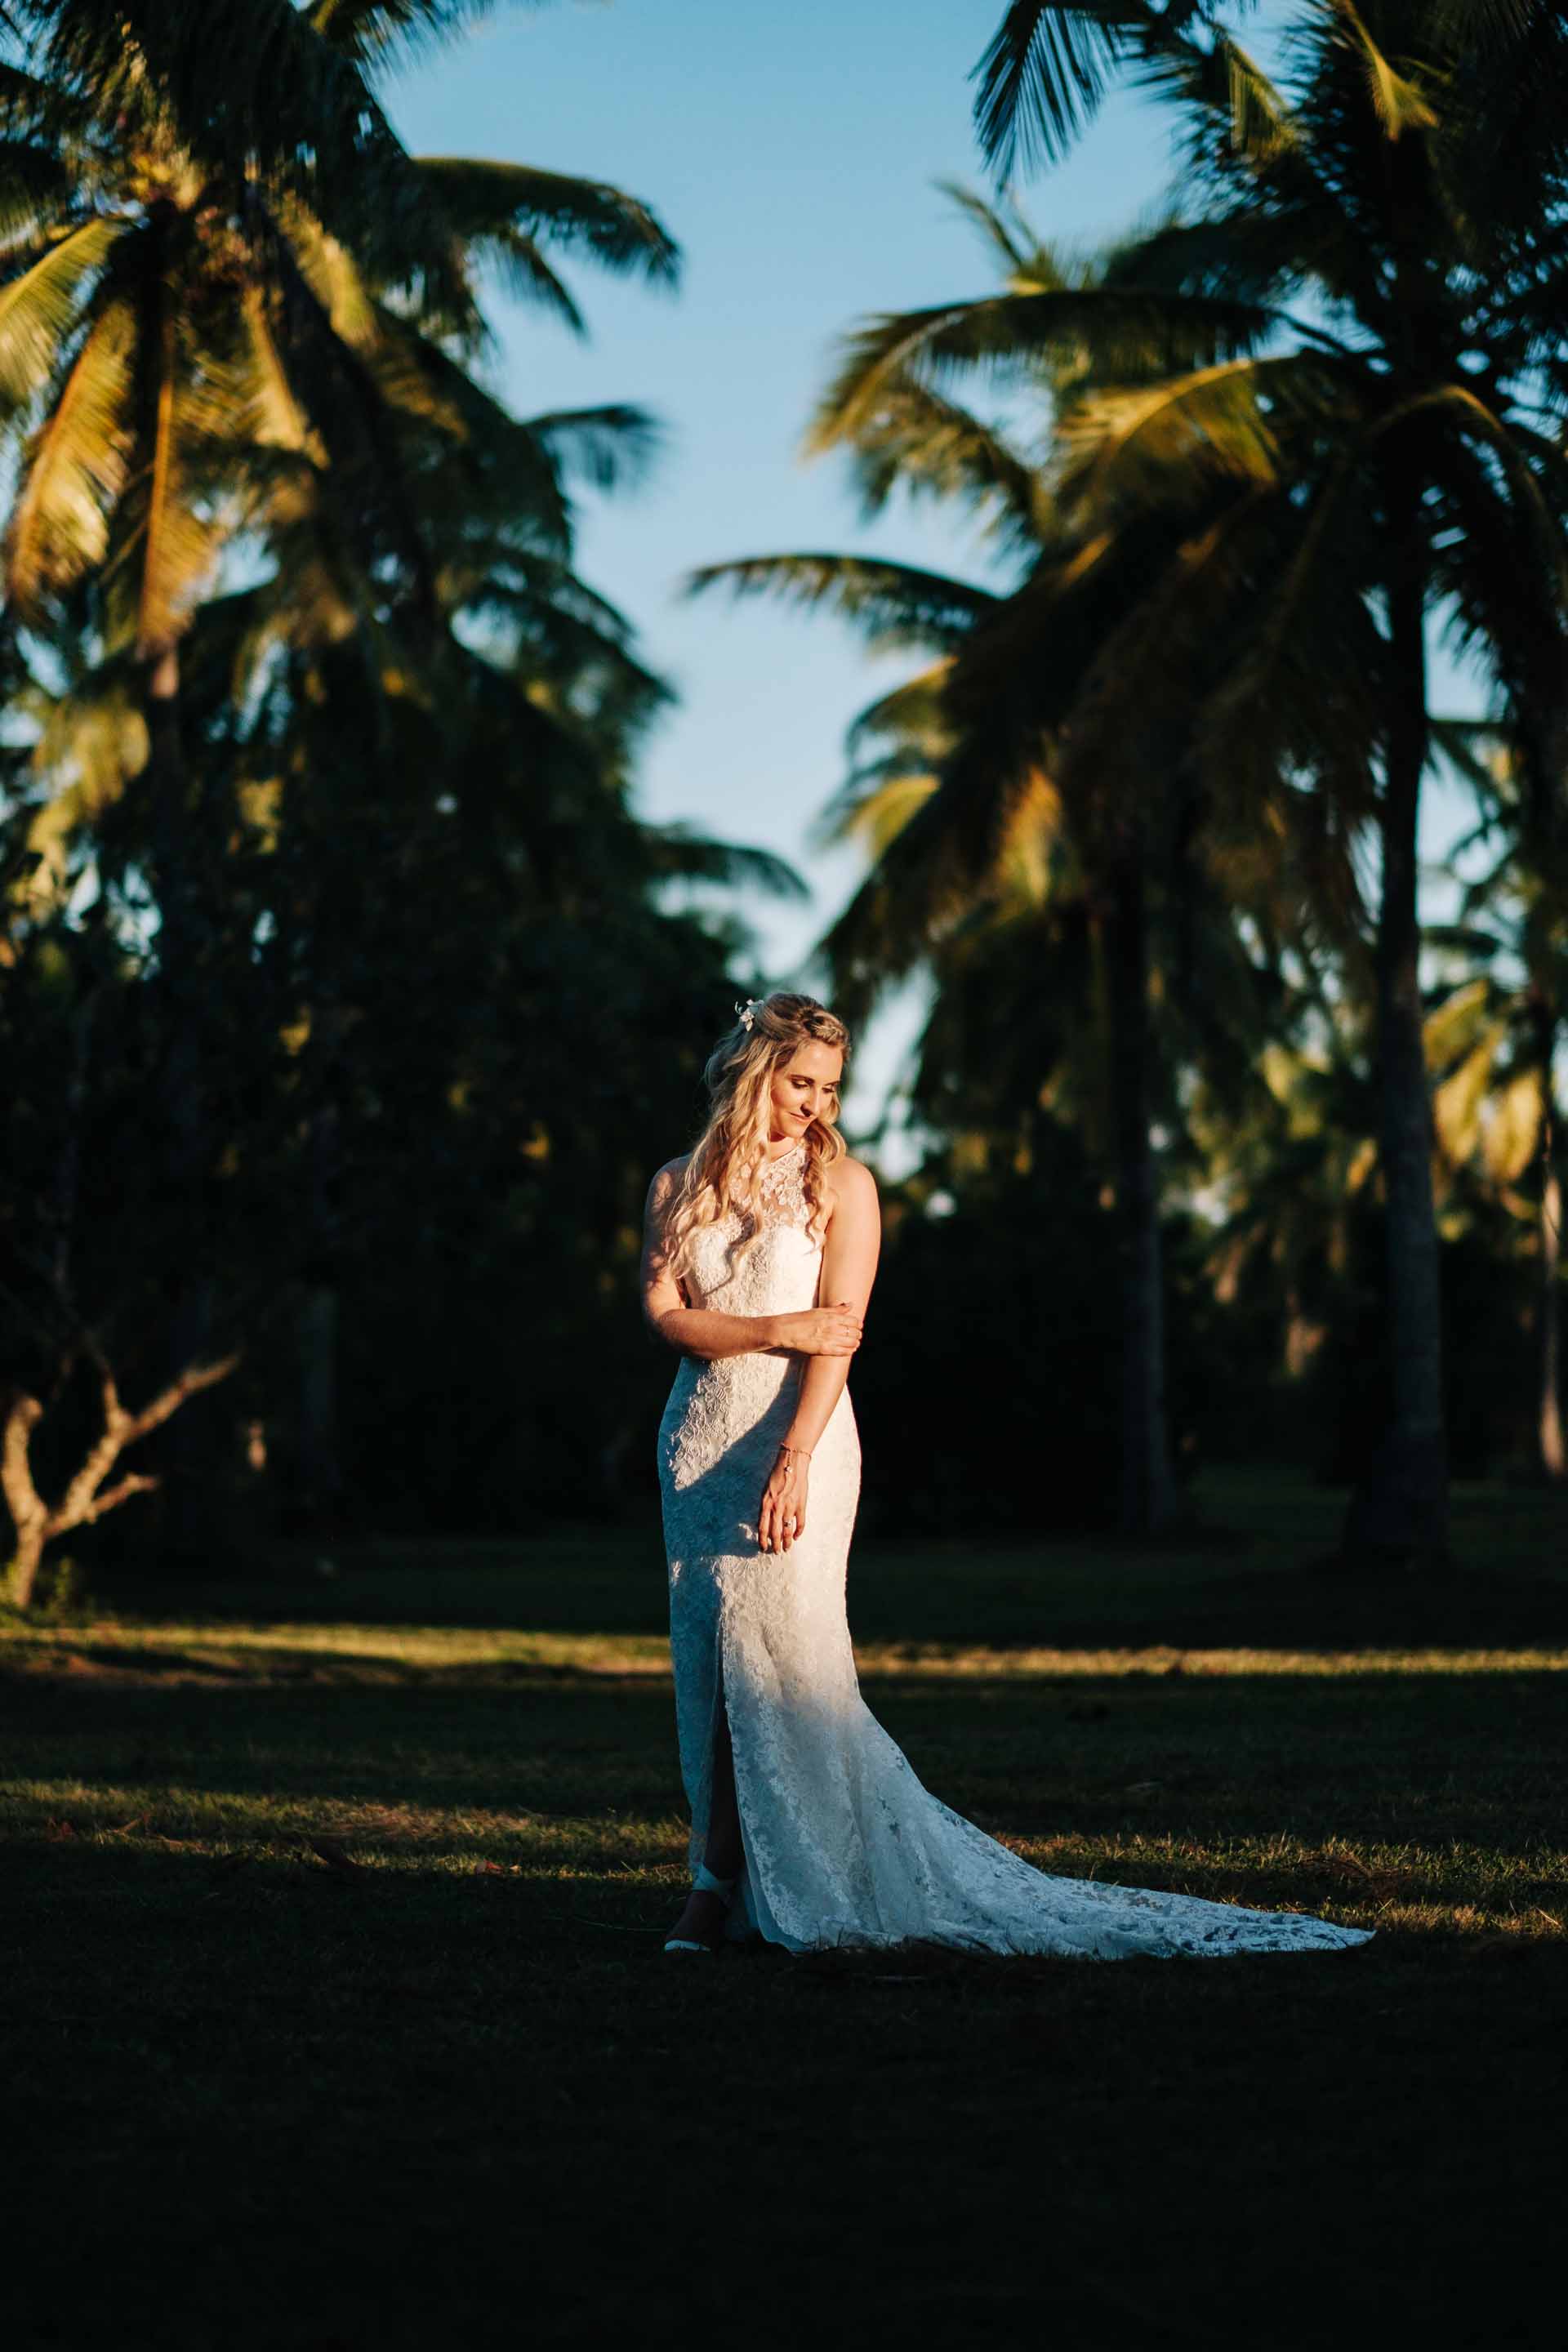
(446, 2075)
(1425, 1789)
(1070, 1598)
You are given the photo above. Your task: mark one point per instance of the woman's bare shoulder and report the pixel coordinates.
(850, 1180)
(667, 1176)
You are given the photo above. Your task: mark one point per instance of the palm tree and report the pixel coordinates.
(1002, 751)
(188, 349)
(169, 311)
(284, 91)
(1382, 204)
(250, 312)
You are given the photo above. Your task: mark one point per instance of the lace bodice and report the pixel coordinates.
(779, 1271)
(720, 1403)
(782, 1184)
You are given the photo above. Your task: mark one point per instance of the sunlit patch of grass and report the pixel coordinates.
(944, 1659)
(1458, 1888)
(166, 1652)
(1370, 1885)
(225, 1823)
(196, 1652)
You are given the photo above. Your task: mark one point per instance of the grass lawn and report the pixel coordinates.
(338, 2018)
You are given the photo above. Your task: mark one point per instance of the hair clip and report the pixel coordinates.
(748, 1012)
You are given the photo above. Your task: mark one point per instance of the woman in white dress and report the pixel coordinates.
(808, 1826)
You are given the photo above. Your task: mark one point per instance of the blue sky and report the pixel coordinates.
(792, 153)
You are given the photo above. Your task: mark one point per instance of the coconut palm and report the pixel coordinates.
(285, 91)
(1384, 201)
(168, 311)
(1003, 773)
(249, 311)
(190, 351)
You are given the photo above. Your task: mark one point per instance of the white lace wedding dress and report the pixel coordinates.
(842, 1844)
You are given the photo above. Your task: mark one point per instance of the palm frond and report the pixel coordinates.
(1239, 120)
(896, 603)
(674, 850)
(1543, 514)
(1012, 241)
(1497, 519)
(912, 714)
(1512, 1130)
(1244, 250)
(929, 446)
(73, 471)
(1396, 98)
(377, 32)
(41, 304)
(1498, 23)
(1262, 121)
(1128, 329)
(511, 471)
(91, 741)
(349, 376)
(1043, 75)
(1478, 751)
(615, 446)
(331, 273)
(175, 544)
(523, 271)
(268, 414)
(1466, 1017)
(537, 585)
(874, 804)
(1154, 442)
(1302, 691)
(487, 203)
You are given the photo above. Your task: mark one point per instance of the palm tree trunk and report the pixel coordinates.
(320, 1480)
(1148, 1499)
(318, 1498)
(1553, 1451)
(1550, 1435)
(1400, 1511)
(187, 1442)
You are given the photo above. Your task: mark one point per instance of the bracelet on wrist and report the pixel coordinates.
(786, 1448)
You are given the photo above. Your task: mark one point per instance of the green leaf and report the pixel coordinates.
(41, 305)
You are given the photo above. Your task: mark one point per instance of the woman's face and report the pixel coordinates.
(804, 1087)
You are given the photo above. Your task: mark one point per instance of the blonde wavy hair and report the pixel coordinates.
(724, 1170)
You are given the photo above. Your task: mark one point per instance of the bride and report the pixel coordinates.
(808, 1826)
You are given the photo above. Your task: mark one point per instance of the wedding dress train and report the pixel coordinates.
(842, 1844)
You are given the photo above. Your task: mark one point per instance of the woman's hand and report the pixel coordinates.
(821, 1330)
(781, 1516)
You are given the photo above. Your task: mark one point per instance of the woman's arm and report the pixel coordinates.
(848, 1269)
(705, 1330)
(849, 1256)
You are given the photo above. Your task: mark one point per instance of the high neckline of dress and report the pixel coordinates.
(774, 1157)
